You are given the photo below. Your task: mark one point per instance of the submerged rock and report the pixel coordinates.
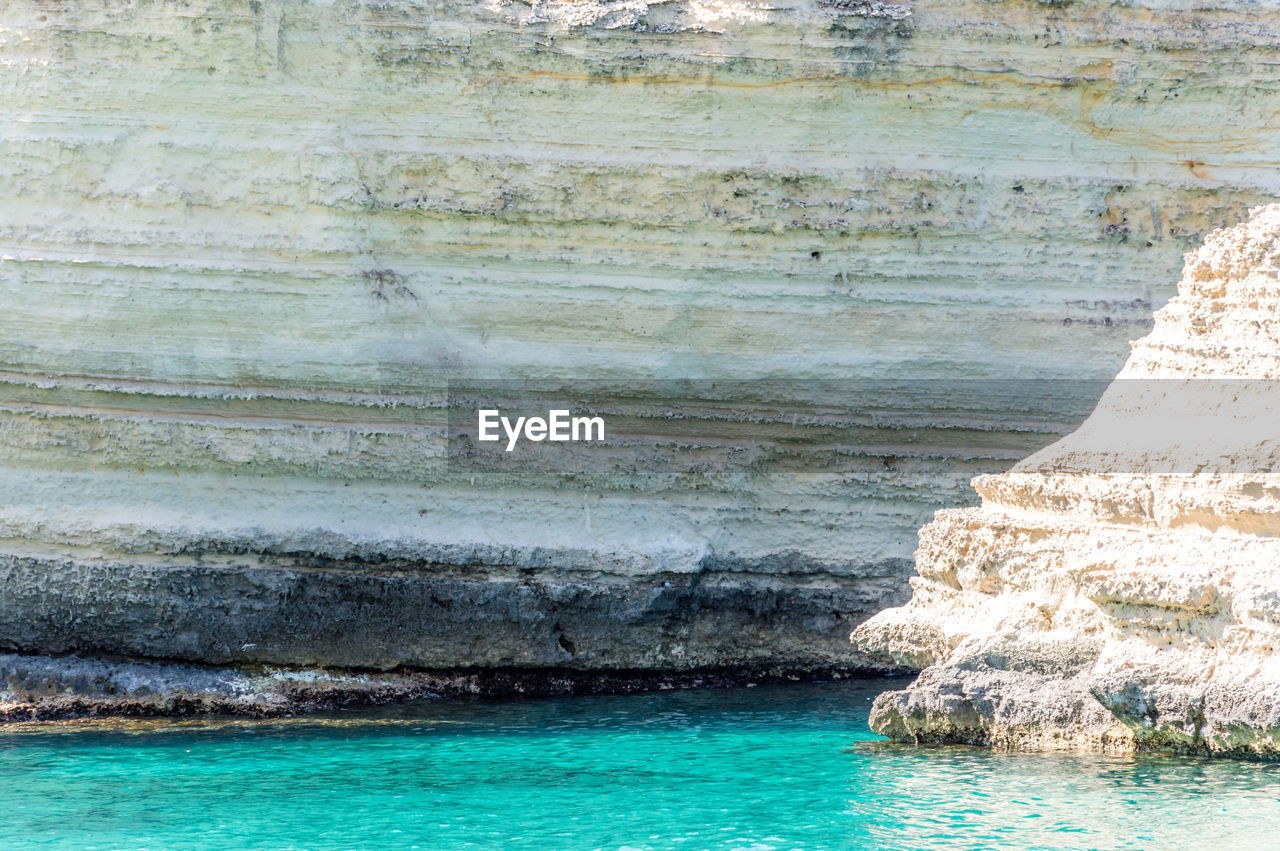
(1120, 589)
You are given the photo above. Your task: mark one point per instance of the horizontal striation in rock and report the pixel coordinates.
(409, 191)
(247, 248)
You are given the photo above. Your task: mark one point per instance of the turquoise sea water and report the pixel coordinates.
(773, 767)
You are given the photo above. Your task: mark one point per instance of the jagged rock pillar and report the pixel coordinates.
(1119, 589)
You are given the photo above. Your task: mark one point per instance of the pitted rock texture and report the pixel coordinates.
(244, 246)
(1118, 590)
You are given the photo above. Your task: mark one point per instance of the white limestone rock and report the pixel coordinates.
(246, 245)
(1120, 589)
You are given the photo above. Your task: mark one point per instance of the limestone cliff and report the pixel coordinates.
(1118, 590)
(246, 248)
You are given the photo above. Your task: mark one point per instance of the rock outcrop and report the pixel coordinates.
(1120, 589)
(247, 248)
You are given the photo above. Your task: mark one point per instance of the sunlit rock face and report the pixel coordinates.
(1118, 589)
(245, 245)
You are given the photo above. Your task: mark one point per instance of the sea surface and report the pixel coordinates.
(772, 767)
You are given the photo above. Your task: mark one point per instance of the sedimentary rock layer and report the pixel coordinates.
(1117, 590)
(246, 246)
(42, 688)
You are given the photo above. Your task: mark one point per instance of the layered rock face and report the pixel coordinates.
(1118, 590)
(246, 248)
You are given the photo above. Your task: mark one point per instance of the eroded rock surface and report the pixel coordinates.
(1120, 589)
(245, 247)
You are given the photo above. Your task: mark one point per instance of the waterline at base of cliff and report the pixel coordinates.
(45, 688)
